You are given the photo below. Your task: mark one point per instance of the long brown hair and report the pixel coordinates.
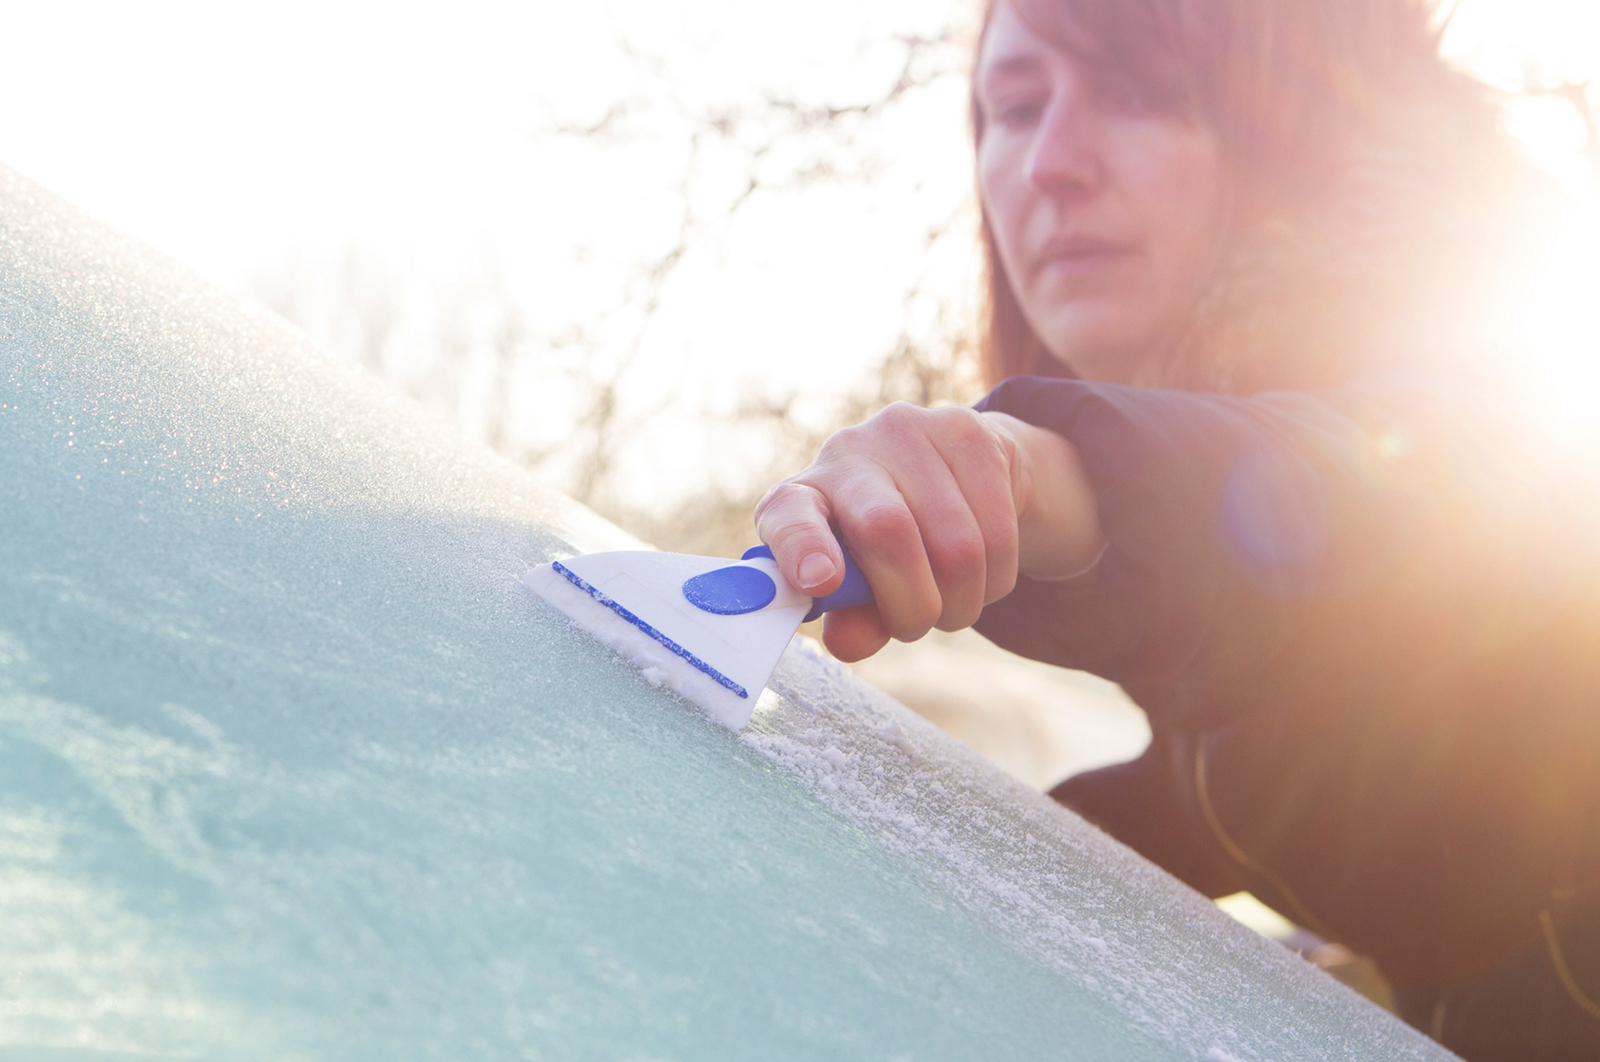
(1305, 96)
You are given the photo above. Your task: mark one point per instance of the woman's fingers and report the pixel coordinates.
(981, 544)
(928, 503)
(793, 520)
(853, 634)
(929, 537)
(885, 537)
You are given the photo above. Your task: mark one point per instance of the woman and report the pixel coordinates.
(1245, 456)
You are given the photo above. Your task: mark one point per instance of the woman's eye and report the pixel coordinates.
(1019, 114)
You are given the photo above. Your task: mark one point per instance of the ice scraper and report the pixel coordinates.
(708, 628)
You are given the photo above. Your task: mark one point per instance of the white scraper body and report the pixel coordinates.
(633, 603)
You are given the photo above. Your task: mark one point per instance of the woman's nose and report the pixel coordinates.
(1066, 154)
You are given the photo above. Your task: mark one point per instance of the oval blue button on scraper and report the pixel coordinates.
(736, 590)
(731, 591)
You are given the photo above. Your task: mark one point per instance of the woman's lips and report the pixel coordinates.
(1083, 255)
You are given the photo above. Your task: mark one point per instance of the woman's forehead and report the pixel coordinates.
(1120, 42)
(1009, 52)
(1014, 50)
(1134, 39)
(1022, 36)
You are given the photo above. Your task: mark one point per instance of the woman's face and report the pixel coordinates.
(1107, 209)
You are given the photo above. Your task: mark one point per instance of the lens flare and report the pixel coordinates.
(1556, 327)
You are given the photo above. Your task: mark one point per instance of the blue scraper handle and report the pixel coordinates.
(852, 592)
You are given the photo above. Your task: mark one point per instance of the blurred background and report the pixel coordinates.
(655, 251)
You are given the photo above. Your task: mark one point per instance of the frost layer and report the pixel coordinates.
(293, 766)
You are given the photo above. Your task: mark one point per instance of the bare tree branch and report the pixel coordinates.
(771, 143)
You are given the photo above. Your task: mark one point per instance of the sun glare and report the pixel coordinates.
(1552, 322)
(1555, 330)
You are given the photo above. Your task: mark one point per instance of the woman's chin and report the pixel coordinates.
(1107, 347)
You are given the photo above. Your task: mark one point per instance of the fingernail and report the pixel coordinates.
(815, 568)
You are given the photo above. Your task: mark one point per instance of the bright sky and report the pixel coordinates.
(238, 136)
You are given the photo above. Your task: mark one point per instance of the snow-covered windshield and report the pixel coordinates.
(292, 765)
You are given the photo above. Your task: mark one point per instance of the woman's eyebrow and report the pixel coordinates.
(1017, 64)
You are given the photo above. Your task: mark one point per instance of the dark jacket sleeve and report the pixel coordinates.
(1363, 626)
(1265, 546)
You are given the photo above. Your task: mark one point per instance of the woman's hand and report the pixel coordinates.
(941, 508)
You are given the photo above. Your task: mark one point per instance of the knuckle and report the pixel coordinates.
(900, 418)
(900, 412)
(786, 490)
(915, 619)
(790, 511)
(842, 441)
(958, 419)
(848, 446)
(790, 538)
(889, 524)
(779, 497)
(1000, 537)
(994, 446)
(958, 556)
(972, 440)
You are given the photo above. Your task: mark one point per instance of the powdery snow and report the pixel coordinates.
(293, 765)
(1051, 884)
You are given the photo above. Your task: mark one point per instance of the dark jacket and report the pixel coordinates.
(1365, 626)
